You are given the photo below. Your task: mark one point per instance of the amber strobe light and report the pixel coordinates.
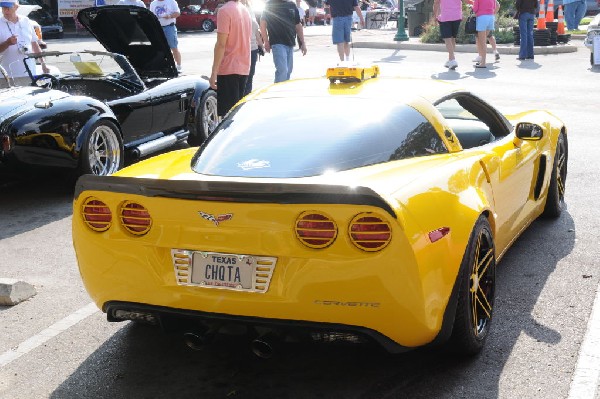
(135, 218)
(96, 214)
(370, 232)
(315, 229)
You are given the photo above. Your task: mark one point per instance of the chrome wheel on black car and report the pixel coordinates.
(102, 153)
(207, 119)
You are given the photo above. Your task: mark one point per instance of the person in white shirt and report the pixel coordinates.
(138, 3)
(17, 38)
(167, 12)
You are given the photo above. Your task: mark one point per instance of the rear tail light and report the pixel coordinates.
(96, 214)
(370, 232)
(315, 230)
(135, 218)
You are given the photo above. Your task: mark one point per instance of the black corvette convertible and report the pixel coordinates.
(96, 108)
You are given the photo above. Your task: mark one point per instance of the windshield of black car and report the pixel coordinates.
(298, 137)
(85, 64)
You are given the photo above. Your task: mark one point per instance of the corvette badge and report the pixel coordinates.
(216, 219)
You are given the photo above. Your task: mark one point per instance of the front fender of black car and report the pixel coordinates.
(52, 133)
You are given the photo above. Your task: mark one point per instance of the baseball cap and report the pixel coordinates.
(7, 4)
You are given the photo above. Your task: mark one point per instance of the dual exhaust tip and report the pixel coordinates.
(263, 346)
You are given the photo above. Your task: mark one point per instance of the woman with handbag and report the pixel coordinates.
(525, 14)
(449, 15)
(485, 11)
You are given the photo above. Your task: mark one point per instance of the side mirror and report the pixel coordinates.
(529, 131)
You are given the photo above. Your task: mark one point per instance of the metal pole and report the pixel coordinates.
(401, 33)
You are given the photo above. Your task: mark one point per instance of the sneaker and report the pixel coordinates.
(451, 64)
(477, 59)
(497, 56)
(479, 65)
(178, 68)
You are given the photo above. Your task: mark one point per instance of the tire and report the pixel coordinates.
(555, 201)
(102, 152)
(208, 25)
(207, 118)
(477, 279)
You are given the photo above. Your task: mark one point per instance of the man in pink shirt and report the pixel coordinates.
(449, 16)
(231, 63)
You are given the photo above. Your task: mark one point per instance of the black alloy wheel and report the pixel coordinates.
(477, 279)
(555, 201)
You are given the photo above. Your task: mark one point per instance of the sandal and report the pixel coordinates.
(479, 65)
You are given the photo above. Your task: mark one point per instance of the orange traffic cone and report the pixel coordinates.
(560, 28)
(541, 21)
(550, 11)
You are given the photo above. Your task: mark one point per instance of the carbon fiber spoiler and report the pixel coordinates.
(279, 193)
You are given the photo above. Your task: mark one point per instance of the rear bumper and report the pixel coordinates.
(181, 321)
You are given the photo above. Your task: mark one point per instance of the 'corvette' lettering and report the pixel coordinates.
(355, 304)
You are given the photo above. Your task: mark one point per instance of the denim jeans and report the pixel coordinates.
(574, 12)
(253, 59)
(526, 35)
(283, 58)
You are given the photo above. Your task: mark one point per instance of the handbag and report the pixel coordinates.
(471, 23)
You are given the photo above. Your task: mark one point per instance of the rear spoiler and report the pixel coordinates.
(279, 193)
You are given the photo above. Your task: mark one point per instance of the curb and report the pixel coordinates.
(463, 48)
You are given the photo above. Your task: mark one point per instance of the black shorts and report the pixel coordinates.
(449, 29)
(230, 89)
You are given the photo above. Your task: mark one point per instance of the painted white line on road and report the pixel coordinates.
(45, 335)
(587, 373)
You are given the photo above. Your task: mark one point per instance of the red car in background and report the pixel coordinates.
(193, 17)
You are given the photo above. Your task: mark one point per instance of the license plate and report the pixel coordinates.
(221, 270)
(225, 271)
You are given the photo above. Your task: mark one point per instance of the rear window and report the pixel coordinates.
(299, 137)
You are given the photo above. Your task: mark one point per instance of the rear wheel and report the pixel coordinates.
(207, 118)
(208, 25)
(477, 280)
(102, 152)
(555, 202)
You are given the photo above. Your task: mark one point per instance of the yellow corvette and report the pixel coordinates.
(378, 216)
(351, 73)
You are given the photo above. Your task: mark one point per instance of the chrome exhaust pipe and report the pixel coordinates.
(155, 145)
(196, 340)
(264, 346)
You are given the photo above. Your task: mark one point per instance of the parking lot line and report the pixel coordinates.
(586, 378)
(50, 332)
